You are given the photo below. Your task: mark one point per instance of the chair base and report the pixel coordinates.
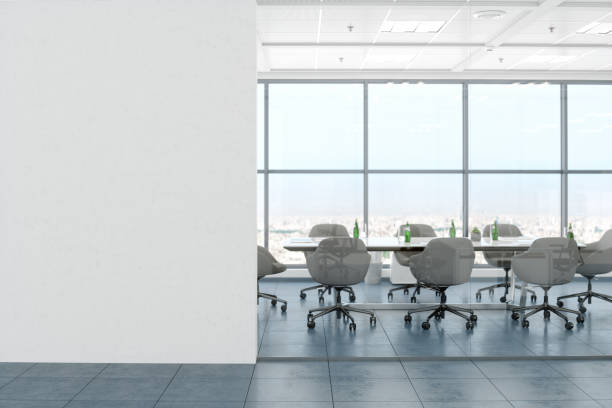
(274, 299)
(340, 309)
(406, 288)
(506, 285)
(547, 309)
(326, 288)
(438, 312)
(588, 296)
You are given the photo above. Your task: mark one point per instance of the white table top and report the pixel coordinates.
(395, 244)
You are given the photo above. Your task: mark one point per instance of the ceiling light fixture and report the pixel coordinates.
(596, 28)
(411, 26)
(489, 14)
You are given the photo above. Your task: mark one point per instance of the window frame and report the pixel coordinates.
(465, 171)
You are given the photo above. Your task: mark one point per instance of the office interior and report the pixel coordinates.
(313, 203)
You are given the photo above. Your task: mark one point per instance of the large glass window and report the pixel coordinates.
(260, 126)
(433, 199)
(590, 205)
(299, 201)
(260, 210)
(530, 201)
(316, 126)
(515, 127)
(415, 168)
(416, 126)
(589, 127)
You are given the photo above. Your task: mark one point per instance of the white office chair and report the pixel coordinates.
(268, 265)
(548, 262)
(596, 260)
(444, 262)
(403, 258)
(326, 231)
(339, 263)
(502, 260)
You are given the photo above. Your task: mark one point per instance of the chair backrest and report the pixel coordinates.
(339, 261)
(549, 261)
(504, 230)
(444, 262)
(605, 242)
(500, 259)
(418, 231)
(328, 230)
(267, 264)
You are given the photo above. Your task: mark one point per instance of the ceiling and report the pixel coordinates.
(319, 36)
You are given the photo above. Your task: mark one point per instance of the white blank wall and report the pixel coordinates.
(127, 182)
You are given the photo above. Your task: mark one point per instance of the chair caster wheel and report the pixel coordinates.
(413, 300)
(352, 297)
(321, 299)
(533, 298)
(302, 295)
(525, 323)
(425, 325)
(546, 315)
(473, 317)
(284, 308)
(408, 318)
(321, 291)
(580, 319)
(438, 316)
(273, 302)
(469, 325)
(390, 297)
(560, 303)
(569, 325)
(310, 323)
(502, 299)
(478, 296)
(515, 316)
(406, 292)
(372, 321)
(437, 293)
(582, 309)
(352, 327)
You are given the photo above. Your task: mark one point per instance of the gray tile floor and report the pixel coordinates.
(312, 384)
(283, 335)
(498, 365)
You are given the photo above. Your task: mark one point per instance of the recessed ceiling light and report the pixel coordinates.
(489, 14)
(411, 26)
(596, 28)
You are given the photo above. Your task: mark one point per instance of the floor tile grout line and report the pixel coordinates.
(246, 397)
(331, 385)
(168, 385)
(85, 386)
(402, 365)
(580, 388)
(18, 376)
(491, 382)
(265, 329)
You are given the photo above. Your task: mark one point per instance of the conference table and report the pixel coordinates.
(381, 244)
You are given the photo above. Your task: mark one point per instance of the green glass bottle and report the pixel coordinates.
(356, 230)
(495, 231)
(570, 232)
(453, 231)
(407, 233)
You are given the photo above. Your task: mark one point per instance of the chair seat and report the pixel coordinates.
(590, 270)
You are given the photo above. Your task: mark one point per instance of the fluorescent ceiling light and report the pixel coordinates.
(489, 14)
(411, 26)
(596, 28)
